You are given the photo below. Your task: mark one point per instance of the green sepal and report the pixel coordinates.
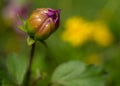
(22, 27)
(30, 41)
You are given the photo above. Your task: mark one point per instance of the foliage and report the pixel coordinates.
(75, 73)
(88, 37)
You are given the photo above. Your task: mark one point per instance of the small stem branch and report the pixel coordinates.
(44, 43)
(28, 73)
(35, 81)
(50, 84)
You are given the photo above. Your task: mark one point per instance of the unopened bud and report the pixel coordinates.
(42, 23)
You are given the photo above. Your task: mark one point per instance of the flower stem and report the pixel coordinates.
(28, 73)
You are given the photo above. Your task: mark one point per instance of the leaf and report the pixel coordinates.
(17, 68)
(4, 76)
(30, 41)
(75, 73)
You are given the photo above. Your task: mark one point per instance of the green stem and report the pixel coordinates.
(28, 73)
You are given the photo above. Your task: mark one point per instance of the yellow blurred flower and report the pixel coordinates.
(101, 33)
(78, 31)
(94, 59)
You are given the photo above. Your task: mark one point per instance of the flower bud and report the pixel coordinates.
(43, 22)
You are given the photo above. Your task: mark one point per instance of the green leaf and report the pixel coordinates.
(4, 75)
(17, 68)
(30, 41)
(75, 73)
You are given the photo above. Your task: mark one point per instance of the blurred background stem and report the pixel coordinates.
(28, 73)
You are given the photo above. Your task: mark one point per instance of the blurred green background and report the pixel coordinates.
(89, 32)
